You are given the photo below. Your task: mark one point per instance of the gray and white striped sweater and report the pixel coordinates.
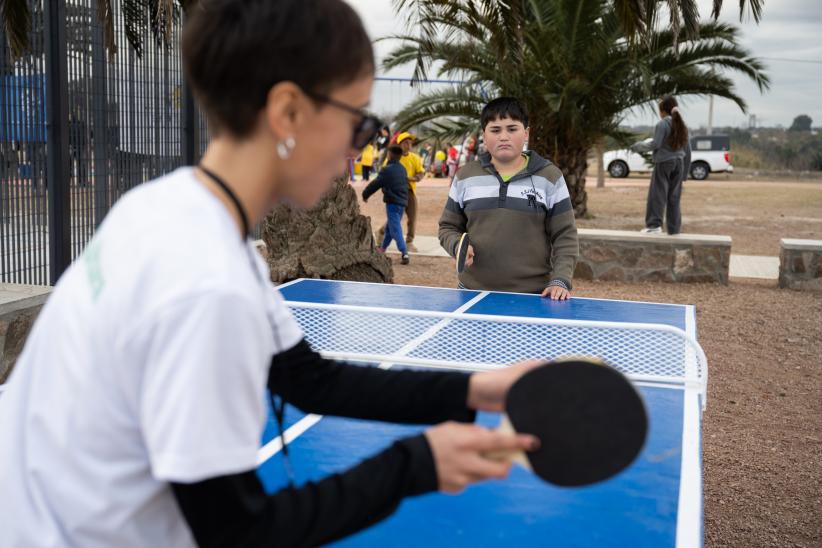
(523, 230)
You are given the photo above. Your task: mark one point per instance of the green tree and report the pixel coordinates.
(801, 123)
(569, 61)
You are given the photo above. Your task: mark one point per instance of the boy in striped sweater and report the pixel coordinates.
(516, 209)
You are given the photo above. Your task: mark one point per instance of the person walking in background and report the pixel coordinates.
(469, 149)
(415, 172)
(426, 153)
(394, 184)
(439, 165)
(672, 161)
(453, 161)
(382, 146)
(367, 161)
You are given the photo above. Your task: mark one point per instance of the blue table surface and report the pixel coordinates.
(638, 507)
(507, 304)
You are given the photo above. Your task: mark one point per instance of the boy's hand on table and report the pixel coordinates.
(557, 293)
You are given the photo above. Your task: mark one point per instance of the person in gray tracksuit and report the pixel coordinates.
(672, 162)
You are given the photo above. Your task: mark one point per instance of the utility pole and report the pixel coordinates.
(710, 115)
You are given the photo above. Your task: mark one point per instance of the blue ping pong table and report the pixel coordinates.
(656, 502)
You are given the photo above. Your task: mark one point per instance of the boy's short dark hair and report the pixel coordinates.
(235, 51)
(395, 152)
(504, 107)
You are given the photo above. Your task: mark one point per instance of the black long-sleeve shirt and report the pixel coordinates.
(234, 510)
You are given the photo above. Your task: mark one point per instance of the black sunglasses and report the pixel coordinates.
(365, 130)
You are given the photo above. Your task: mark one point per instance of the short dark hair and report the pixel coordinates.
(394, 152)
(235, 51)
(504, 107)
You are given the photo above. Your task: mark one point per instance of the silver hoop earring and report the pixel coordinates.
(284, 148)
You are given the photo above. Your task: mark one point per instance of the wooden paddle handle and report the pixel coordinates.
(518, 457)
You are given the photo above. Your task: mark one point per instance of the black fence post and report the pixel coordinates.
(99, 113)
(57, 162)
(190, 133)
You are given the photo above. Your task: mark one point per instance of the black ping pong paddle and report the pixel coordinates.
(462, 252)
(590, 419)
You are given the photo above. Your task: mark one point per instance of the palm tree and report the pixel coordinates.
(569, 61)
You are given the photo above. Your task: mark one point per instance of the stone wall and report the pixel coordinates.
(19, 306)
(626, 256)
(800, 264)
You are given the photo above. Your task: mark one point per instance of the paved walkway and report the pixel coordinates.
(754, 266)
(742, 266)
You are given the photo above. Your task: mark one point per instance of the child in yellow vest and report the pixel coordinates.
(367, 161)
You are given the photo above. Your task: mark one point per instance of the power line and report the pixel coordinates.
(814, 61)
(412, 80)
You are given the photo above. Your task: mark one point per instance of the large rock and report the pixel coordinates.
(331, 241)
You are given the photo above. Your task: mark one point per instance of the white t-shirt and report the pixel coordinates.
(148, 364)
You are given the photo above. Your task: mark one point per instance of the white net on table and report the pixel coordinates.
(644, 352)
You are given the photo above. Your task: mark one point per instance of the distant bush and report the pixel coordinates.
(745, 156)
(776, 149)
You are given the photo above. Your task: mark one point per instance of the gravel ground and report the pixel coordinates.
(762, 432)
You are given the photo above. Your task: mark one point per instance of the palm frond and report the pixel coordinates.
(17, 24)
(134, 21)
(690, 16)
(105, 14)
(453, 101)
(632, 16)
(754, 7)
(159, 16)
(450, 129)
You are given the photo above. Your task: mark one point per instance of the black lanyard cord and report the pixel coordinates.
(277, 404)
(233, 197)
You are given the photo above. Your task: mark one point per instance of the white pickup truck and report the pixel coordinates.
(709, 154)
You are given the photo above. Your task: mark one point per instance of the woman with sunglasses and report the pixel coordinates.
(135, 412)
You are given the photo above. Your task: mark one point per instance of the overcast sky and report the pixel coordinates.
(790, 29)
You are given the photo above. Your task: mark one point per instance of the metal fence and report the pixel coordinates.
(78, 128)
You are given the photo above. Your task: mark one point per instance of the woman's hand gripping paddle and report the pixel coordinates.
(590, 419)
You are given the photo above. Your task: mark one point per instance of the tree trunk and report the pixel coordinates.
(572, 160)
(330, 241)
(574, 167)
